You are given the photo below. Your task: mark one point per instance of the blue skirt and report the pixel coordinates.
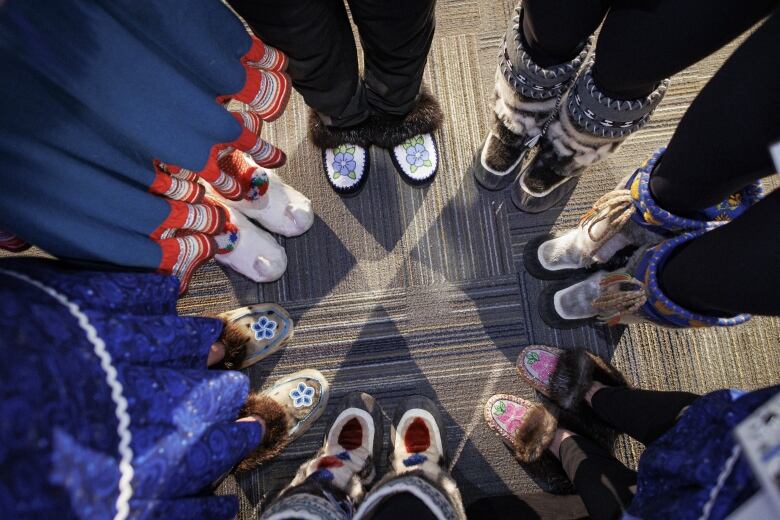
(110, 110)
(107, 409)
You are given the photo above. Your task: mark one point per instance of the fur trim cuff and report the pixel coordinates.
(275, 436)
(425, 117)
(235, 340)
(324, 136)
(535, 434)
(574, 374)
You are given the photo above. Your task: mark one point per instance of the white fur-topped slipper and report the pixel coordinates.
(346, 168)
(417, 159)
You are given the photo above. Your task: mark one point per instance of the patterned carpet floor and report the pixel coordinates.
(402, 291)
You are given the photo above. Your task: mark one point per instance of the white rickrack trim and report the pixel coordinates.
(123, 428)
(728, 467)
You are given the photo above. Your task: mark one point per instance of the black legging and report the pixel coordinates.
(720, 145)
(604, 484)
(317, 37)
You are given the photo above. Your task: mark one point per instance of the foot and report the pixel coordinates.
(602, 232)
(253, 333)
(499, 160)
(525, 427)
(276, 206)
(538, 188)
(417, 159)
(607, 297)
(417, 438)
(566, 376)
(216, 354)
(252, 251)
(352, 443)
(346, 168)
(288, 408)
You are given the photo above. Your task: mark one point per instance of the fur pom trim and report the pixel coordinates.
(535, 434)
(575, 373)
(275, 436)
(426, 117)
(387, 132)
(235, 340)
(325, 136)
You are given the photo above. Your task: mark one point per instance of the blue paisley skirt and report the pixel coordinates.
(107, 409)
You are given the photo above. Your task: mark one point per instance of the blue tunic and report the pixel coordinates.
(71, 411)
(680, 470)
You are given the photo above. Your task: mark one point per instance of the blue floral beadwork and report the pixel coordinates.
(344, 162)
(264, 328)
(417, 155)
(302, 395)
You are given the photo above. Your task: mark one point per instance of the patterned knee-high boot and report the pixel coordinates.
(588, 127)
(526, 96)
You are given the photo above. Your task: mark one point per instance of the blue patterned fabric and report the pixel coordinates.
(59, 423)
(658, 307)
(679, 470)
(652, 216)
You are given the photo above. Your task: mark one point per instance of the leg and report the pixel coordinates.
(645, 415)
(617, 93)
(542, 506)
(721, 143)
(642, 42)
(417, 483)
(396, 37)
(606, 486)
(544, 47)
(317, 38)
(554, 31)
(732, 269)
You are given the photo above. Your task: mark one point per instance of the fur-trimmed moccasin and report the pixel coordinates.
(253, 333)
(565, 376)
(288, 408)
(527, 428)
(345, 157)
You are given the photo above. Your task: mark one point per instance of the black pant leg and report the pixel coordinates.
(403, 505)
(396, 37)
(645, 415)
(645, 41)
(533, 506)
(554, 31)
(731, 269)
(606, 486)
(317, 38)
(721, 144)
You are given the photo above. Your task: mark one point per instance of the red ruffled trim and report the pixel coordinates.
(205, 218)
(175, 188)
(182, 255)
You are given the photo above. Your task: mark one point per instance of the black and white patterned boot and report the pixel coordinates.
(588, 127)
(526, 96)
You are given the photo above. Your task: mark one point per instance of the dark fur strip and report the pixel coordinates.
(425, 117)
(574, 376)
(325, 136)
(275, 436)
(535, 434)
(235, 340)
